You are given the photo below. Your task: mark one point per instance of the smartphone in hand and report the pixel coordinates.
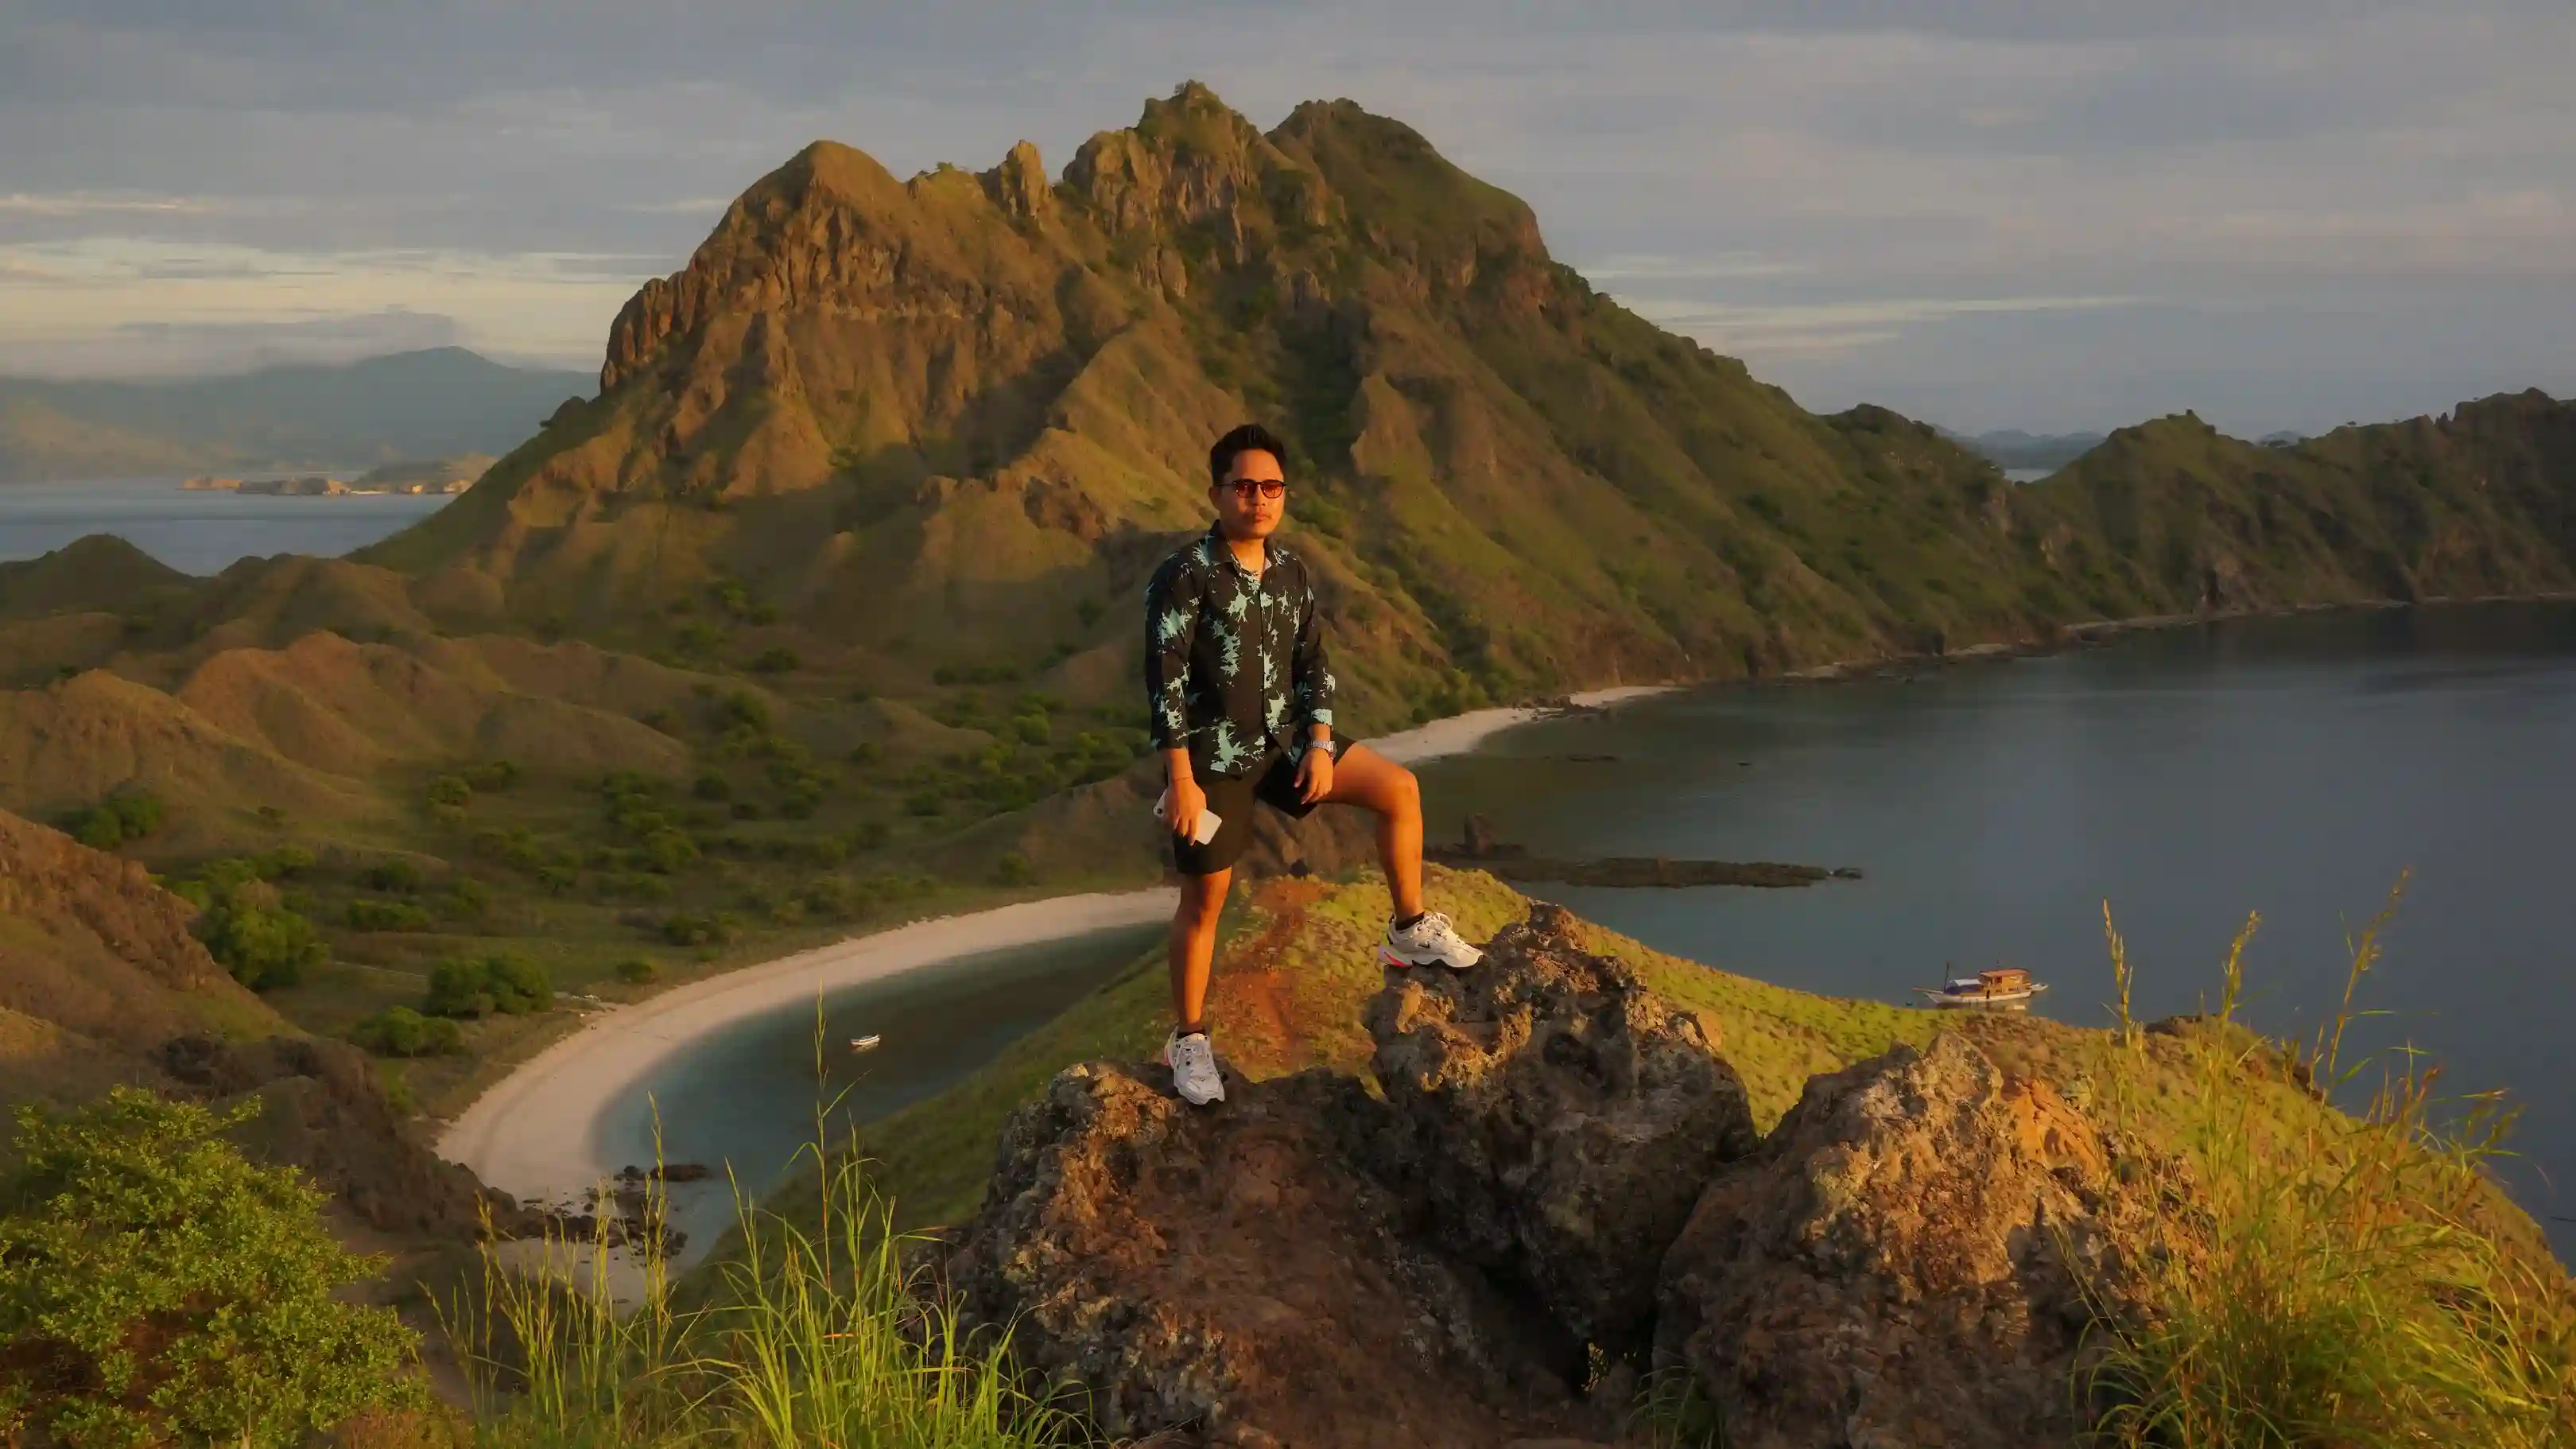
(1208, 821)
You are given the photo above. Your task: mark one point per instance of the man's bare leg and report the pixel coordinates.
(1377, 784)
(1192, 945)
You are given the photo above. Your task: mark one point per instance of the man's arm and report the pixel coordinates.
(1171, 622)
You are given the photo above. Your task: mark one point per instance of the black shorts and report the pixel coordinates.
(1274, 784)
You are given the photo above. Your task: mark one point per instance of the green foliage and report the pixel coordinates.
(777, 659)
(120, 819)
(2353, 1291)
(155, 1287)
(492, 775)
(264, 947)
(506, 984)
(465, 900)
(1014, 870)
(365, 914)
(451, 791)
(683, 928)
(399, 1031)
(712, 787)
(637, 971)
(398, 877)
(822, 1337)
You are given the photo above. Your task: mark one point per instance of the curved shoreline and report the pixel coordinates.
(535, 1133)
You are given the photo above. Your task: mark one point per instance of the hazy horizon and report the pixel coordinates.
(2336, 210)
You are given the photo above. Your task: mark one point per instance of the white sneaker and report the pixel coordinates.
(1431, 941)
(1193, 1064)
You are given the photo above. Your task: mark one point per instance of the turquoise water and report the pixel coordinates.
(198, 533)
(2294, 767)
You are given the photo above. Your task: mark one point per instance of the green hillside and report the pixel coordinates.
(426, 404)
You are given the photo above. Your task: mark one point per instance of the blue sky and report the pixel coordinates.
(2058, 216)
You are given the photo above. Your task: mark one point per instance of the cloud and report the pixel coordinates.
(20, 203)
(2303, 158)
(121, 304)
(1825, 328)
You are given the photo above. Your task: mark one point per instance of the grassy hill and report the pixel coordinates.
(407, 405)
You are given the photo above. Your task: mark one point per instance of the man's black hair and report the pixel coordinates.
(1243, 440)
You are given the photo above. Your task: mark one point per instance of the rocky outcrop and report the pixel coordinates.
(1555, 1120)
(1233, 1277)
(1561, 1191)
(1906, 1260)
(321, 1111)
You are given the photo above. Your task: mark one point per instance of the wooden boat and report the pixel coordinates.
(865, 1043)
(2007, 987)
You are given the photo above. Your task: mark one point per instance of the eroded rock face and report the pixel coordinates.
(1553, 1119)
(1899, 1264)
(1226, 1275)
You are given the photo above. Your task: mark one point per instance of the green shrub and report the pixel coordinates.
(636, 971)
(263, 947)
(492, 775)
(712, 787)
(399, 877)
(867, 752)
(668, 849)
(400, 1031)
(450, 791)
(466, 900)
(507, 984)
(155, 1287)
(1014, 870)
(777, 659)
(126, 816)
(681, 928)
(365, 914)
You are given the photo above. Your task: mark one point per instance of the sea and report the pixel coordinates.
(199, 532)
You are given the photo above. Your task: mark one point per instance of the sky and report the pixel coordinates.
(2052, 216)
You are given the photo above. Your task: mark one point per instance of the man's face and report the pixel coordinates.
(1246, 505)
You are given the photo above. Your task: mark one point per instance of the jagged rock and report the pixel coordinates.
(1554, 1119)
(1019, 184)
(1899, 1264)
(1226, 1276)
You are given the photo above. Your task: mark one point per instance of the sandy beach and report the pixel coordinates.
(534, 1134)
(1460, 733)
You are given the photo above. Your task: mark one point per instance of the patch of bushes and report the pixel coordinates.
(156, 1288)
(777, 659)
(713, 928)
(1014, 870)
(265, 947)
(394, 877)
(503, 984)
(365, 914)
(399, 1031)
(123, 817)
(492, 775)
(637, 971)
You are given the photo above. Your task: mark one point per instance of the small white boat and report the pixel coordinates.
(865, 1043)
(2006, 987)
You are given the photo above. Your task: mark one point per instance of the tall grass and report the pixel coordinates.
(822, 1337)
(2356, 1287)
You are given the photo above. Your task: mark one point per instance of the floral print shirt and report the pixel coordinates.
(1234, 660)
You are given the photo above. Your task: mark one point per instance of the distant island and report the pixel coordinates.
(300, 419)
(443, 475)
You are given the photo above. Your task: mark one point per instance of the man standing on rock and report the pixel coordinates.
(1240, 702)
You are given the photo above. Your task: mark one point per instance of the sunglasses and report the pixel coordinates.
(1244, 488)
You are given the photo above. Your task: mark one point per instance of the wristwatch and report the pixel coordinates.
(1332, 748)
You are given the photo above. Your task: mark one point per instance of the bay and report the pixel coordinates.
(199, 533)
(2294, 766)
(752, 1098)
